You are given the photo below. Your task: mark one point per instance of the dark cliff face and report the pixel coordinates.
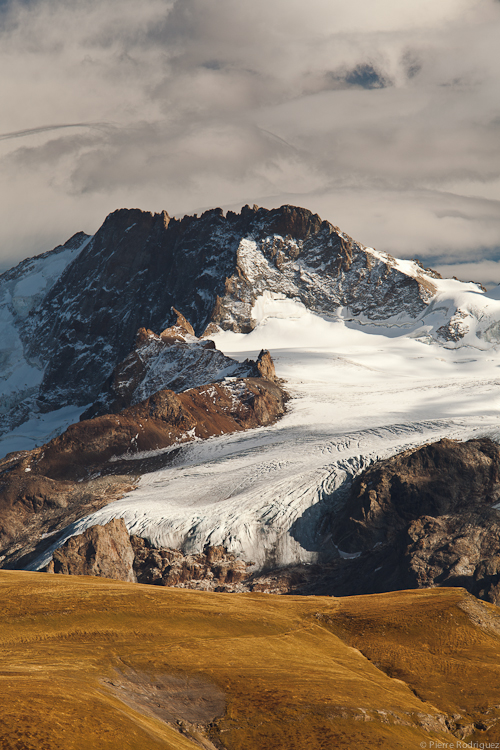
(439, 479)
(426, 517)
(211, 268)
(137, 266)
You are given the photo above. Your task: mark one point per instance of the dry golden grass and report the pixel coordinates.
(78, 654)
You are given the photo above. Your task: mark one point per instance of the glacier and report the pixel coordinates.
(359, 392)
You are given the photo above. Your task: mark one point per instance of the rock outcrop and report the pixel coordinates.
(441, 479)
(34, 508)
(213, 570)
(175, 360)
(426, 517)
(110, 552)
(100, 551)
(456, 551)
(162, 420)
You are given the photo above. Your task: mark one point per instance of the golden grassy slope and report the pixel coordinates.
(89, 663)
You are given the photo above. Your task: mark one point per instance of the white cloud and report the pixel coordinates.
(382, 116)
(487, 272)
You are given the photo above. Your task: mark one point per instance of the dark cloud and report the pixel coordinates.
(49, 128)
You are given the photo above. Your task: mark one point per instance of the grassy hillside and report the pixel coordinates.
(89, 663)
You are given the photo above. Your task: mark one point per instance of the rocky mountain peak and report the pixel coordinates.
(182, 323)
(145, 270)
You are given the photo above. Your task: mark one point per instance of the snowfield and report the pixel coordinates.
(21, 290)
(359, 392)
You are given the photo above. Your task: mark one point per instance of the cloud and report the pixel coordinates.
(382, 116)
(486, 272)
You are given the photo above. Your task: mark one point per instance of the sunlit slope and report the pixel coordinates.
(443, 643)
(92, 663)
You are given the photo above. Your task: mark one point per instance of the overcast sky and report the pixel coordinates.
(381, 115)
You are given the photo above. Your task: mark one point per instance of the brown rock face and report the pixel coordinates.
(435, 480)
(212, 570)
(182, 323)
(100, 551)
(35, 508)
(422, 518)
(175, 360)
(110, 552)
(164, 419)
(456, 551)
(265, 366)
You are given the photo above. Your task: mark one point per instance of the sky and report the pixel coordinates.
(380, 115)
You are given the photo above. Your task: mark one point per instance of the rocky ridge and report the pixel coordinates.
(175, 360)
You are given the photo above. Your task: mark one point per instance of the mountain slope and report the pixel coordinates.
(22, 290)
(88, 662)
(267, 495)
(100, 457)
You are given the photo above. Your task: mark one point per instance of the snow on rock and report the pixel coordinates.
(324, 271)
(378, 354)
(176, 360)
(212, 268)
(21, 290)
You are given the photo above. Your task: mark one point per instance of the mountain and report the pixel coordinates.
(233, 375)
(72, 315)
